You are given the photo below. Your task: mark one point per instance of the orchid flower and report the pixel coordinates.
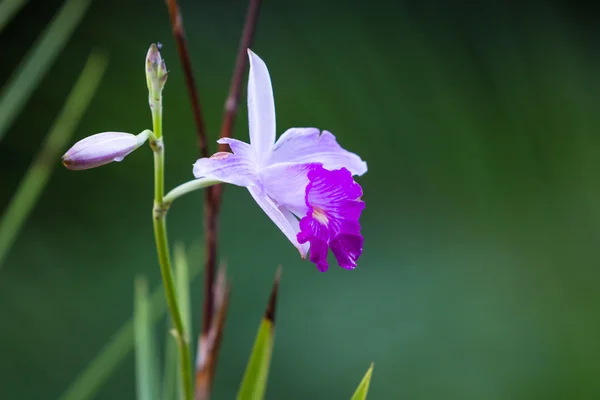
(303, 182)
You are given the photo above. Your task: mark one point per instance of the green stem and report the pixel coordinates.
(159, 170)
(186, 188)
(156, 108)
(162, 247)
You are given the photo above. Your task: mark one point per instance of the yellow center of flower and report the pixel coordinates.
(320, 215)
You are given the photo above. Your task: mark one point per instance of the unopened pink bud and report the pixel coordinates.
(102, 148)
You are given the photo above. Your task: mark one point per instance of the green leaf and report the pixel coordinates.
(257, 371)
(8, 9)
(34, 181)
(255, 379)
(89, 381)
(146, 359)
(363, 386)
(32, 69)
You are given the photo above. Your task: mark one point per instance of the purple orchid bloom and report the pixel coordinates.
(303, 181)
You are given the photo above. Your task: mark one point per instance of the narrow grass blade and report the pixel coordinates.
(182, 280)
(209, 345)
(37, 62)
(170, 385)
(8, 9)
(255, 379)
(363, 386)
(89, 381)
(171, 388)
(35, 178)
(146, 360)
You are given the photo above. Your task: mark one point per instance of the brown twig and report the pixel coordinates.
(205, 371)
(184, 58)
(235, 89)
(208, 354)
(211, 211)
(210, 206)
(213, 314)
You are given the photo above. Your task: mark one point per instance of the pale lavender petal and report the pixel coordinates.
(283, 218)
(101, 149)
(261, 108)
(308, 145)
(238, 147)
(228, 168)
(286, 184)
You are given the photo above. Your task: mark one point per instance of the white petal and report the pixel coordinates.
(240, 148)
(286, 184)
(261, 108)
(285, 221)
(308, 145)
(228, 168)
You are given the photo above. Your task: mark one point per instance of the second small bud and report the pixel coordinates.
(156, 71)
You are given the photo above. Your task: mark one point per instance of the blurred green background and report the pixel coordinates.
(479, 122)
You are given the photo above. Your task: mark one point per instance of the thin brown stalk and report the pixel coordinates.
(211, 212)
(210, 207)
(208, 354)
(186, 64)
(205, 371)
(213, 316)
(235, 88)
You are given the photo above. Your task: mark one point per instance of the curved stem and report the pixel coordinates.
(162, 248)
(188, 187)
(164, 258)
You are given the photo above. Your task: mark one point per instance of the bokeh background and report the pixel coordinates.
(479, 122)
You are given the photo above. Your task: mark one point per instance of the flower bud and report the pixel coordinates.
(102, 148)
(156, 71)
